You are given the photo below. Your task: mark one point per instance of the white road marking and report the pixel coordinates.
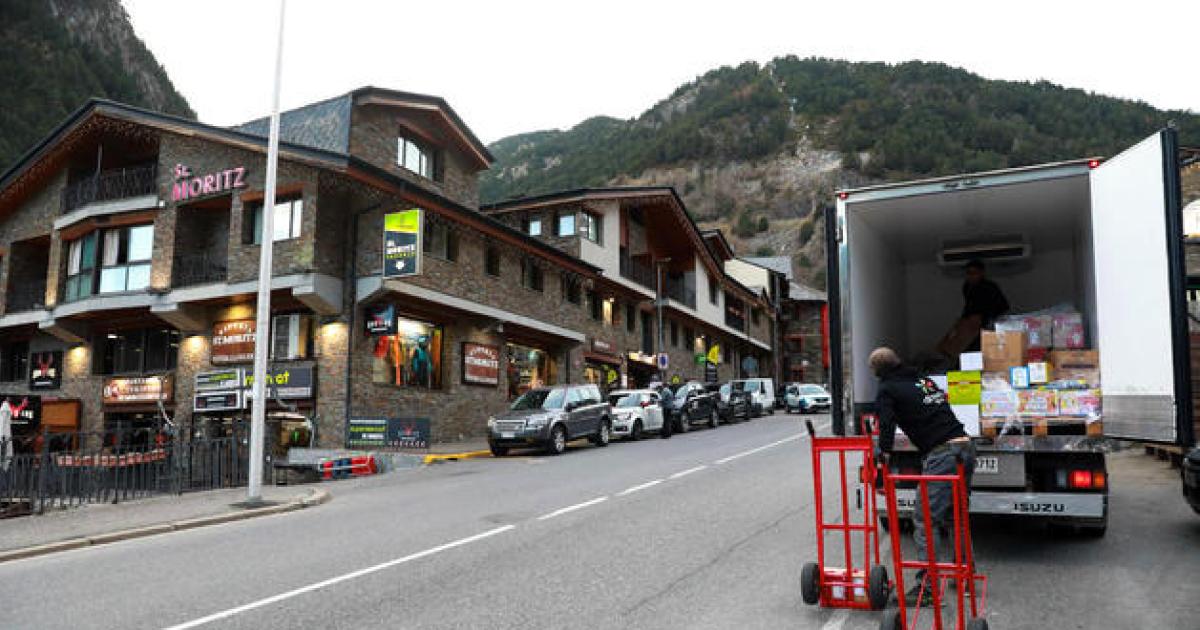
(726, 460)
(684, 473)
(225, 614)
(572, 508)
(837, 620)
(636, 488)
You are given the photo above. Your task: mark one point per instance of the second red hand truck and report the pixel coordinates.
(866, 586)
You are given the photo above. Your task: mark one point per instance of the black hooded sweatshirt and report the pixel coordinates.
(915, 403)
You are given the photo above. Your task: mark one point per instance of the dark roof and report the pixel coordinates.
(779, 264)
(322, 125)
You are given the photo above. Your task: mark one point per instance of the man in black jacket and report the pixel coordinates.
(982, 299)
(913, 402)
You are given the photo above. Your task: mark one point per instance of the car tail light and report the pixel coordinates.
(1081, 479)
(645, 403)
(1093, 163)
(1099, 479)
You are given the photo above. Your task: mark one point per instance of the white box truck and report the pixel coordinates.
(1104, 235)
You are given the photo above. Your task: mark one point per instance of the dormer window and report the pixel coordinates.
(414, 157)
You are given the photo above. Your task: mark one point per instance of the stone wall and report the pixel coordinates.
(33, 218)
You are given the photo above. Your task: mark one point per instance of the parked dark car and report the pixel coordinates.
(549, 417)
(733, 405)
(1191, 478)
(693, 404)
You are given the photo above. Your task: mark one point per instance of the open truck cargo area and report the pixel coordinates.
(1100, 238)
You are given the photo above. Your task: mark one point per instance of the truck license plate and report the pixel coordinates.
(510, 434)
(987, 465)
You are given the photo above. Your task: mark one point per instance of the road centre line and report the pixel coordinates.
(572, 508)
(684, 473)
(752, 451)
(639, 487)
(225, 614)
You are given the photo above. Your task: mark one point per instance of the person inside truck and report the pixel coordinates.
(982, 299)
(912, 401)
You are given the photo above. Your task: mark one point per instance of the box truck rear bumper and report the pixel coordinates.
(1053, 505)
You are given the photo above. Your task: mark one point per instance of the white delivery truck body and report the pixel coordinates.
(1104, 236)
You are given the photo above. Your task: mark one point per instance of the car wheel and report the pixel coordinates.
(603, 434)
(558, 440)
(714, 419)
(497, 450)
(635, 433)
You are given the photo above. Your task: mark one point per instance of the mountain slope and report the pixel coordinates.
(59, 53)
(757, 148)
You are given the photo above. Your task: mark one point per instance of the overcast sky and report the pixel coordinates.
(515, 66)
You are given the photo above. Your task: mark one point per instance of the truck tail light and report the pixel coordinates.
(1099, 479)
(1093, 163)
(1087, 479)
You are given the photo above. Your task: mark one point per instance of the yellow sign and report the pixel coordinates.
(714, 354)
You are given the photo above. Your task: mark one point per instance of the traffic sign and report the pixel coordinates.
(664, 360)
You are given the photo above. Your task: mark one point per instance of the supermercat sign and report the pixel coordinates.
(187, 186)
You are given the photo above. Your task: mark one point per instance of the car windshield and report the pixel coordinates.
(682, 394)
(811, 389)
(746, 386)
(632, 400)
(540, 399)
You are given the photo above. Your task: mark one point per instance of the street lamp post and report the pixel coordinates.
(658, 307)
(258, 409)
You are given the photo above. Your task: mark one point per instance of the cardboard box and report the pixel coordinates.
(968, 415)
(1038, 329)
(1039, 373)
(1002, 350)
(998, 403)
(963, 388)
(1019, 377)
(1037, 403)
(1037, 355)
(1075, 359)
(970, 361)
(1068, 330)
(1079, 402)
(959, 337)
(996, 381)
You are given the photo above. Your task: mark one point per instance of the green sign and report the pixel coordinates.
(701, 359)
(402, 243)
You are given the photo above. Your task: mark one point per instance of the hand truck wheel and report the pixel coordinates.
(810, 583)
(891, 620)
(878, 589)
(978, 623)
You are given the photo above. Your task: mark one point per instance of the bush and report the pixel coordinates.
(806, 232)
(763, 224)
(744, 227)
(764, 250)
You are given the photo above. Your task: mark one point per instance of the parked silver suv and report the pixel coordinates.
(549, 417)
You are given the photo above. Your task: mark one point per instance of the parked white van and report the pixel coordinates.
(762, 394)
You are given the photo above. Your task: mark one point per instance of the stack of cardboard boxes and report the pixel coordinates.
(1032, 373)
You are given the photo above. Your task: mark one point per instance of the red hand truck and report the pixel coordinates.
(865, 587)
(971, 587)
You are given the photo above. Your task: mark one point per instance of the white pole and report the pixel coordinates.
(262, 330)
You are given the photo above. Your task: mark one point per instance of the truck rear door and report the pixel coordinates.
(1141, 320)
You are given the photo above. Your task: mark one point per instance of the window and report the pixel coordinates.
(565, 225)
(630, 321)
(491, 261)
(285, 221)
(595, 308)
(81, 267)
(410, 358)
(290, 336)
(527, 368)
(590, 226)
(674, 333)
(689, 338)
(441, 241)
(571, 290)
(533, 226)
(414, 157)
(754, 315)
(531, 275)
(137, 351)
(714, 291)
(14, 361)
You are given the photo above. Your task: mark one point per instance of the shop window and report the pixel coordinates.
(714, 291)
(285, 221)
(590, 226)
(674, 334)
(531, 275)
(491, 261)
(565, 225)
(533, 226)
(595, 308)
(630, 317)
(81, 267)
(410, 358)
(290, 336)
(14, 361)
(137, 351)
(441, 241)
(528, 368)
(572, 291)
(125, 259)
(414, 156)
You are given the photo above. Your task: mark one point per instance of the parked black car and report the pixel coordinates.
(1191, 478)
(732, 405)
(550, 417)
(693, 404)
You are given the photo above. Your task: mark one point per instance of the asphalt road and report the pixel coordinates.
(706, 530)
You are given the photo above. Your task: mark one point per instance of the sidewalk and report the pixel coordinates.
(107, 522)
(443, 451)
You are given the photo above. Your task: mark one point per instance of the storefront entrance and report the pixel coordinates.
(528, 367)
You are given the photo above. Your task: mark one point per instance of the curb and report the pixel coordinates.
(314, 498)
(450, 457)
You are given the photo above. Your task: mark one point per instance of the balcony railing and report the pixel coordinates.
(637, 271)
(121, 183)
(195, 269)
(24, 296)
(679, 292)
